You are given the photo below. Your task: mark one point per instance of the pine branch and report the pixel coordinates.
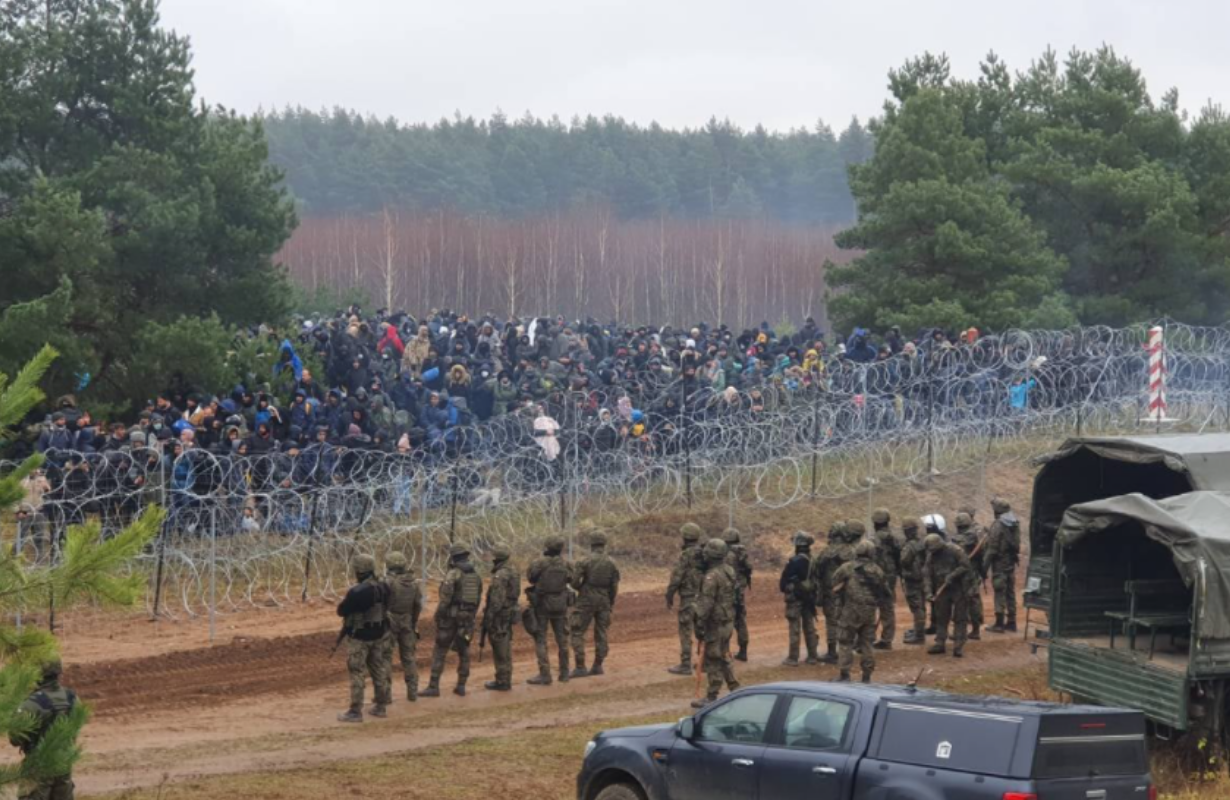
(23, 393)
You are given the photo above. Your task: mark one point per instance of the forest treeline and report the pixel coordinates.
(340, 162)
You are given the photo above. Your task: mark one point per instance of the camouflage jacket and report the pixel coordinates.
(596, 574)
(715, 605)
(860, 585)
(685, 577)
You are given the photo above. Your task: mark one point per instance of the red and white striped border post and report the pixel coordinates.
(1157, 374)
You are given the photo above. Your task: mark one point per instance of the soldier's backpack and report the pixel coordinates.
(601, 573)
(53, 707)
(552, 587)
(469, 590)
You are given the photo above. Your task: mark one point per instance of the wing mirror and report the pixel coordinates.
(686, 728)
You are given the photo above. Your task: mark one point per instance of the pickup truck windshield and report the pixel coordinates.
(1082, 757)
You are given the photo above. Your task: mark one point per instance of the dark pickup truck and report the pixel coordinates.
(826, 741)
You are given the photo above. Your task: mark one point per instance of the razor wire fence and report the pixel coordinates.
(272, 529)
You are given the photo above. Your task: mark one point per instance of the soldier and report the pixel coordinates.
(862, 587)
(500, 615)
(913, 557)
(967, 539)
(800, 597)
(549, 577)
(597, 584)
(1003, 553)
(888, 557)
(47, 703)
(685, 582)
(836, 553)
(715, 616)
(945, 576)
(460, 593)
(366, 626)
(736, 556)
(934, 523)
(405, 604)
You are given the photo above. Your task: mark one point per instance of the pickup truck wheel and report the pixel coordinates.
(621, 791)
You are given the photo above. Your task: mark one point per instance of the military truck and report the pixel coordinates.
(1140, 604)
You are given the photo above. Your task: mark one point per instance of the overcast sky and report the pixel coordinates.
(783, 63)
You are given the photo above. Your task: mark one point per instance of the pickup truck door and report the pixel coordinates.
(808, 754)
(722, 761)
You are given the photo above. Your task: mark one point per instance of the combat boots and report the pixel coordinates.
(1011, 626)
(563, 675)
(957, 652)
(460, 689)
(350, 716)
(936, 649)
(831, 656)
(976, 633)
(998, 627)
(580, 671)
(790, 662)
(682, 668)
(701, 702)
(412, 692)
(883, 645)
(497, 686)
(914, 636)
(596, 669)
(541, 679)
(844, 677)
(812, 660)
(741, 655)
(378, 711)
(432, 690)
(866, 676)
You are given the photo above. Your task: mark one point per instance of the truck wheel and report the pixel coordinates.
(621, 791)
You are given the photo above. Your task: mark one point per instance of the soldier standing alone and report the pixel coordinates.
(597, 583)
(47, 703)
(367, 629)
(685, 582)
(715, 615)
(1003, 554)
(796, 586)
(913, 557)
(460, 593)
(500, 616)
(888, 557)
(862, 587)
(736, 557)
(550, 577)
(405, 604)
(944, 582)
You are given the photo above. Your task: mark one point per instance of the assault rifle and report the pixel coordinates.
(341, 637)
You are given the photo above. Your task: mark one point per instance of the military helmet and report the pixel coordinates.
(837, 531)
(363, 564)
(730, 536)
(597, 539)
(715, 550)
(395, 560)
(933, 542)
(803, 539)
(881, 516)
(968, 508)
(690, 532)
(458, 551)
(52, 667)
(909, 524)
(1000, 506)
(553, 544)
(865, 549)
(856, 529)
(500, 553)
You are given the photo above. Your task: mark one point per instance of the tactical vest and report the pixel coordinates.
(601, 574)
(468, 590)
(52, 705)
(554, 579)
(403, 593)
(373, 617)
(724, 598)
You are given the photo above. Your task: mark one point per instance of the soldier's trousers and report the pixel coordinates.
(369, 659)
(952, 607)
(500, 638)
(406, 644)
(455, 634)
(857, 633)
(741, 625)
(58, 789)
(685, 631)
(718, 668)
(1004, 582)
(914, 599)
(559, 627)
(801, 618)
(975, 608)
(595, 609)
(888, 611)
(832, 622)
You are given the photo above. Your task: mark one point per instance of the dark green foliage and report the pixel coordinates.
(339, 162)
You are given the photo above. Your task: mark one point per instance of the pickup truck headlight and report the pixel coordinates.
(589, 748)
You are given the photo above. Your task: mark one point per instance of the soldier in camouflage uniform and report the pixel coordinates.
(1003, 553)
(715, 617)
(500, 616)
(913, 557)
(796, 587)
(888, 558)
(946, 577)
(460, 593)
(862, 587)
(967, 539)
(47, 703)
(549, 578)
(405, 604)
(685, 582)
(823, 567)
(596, 579)
(736, 557)
(363, 610)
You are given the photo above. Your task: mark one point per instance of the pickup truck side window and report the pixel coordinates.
(744, 719)
(813, 723)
